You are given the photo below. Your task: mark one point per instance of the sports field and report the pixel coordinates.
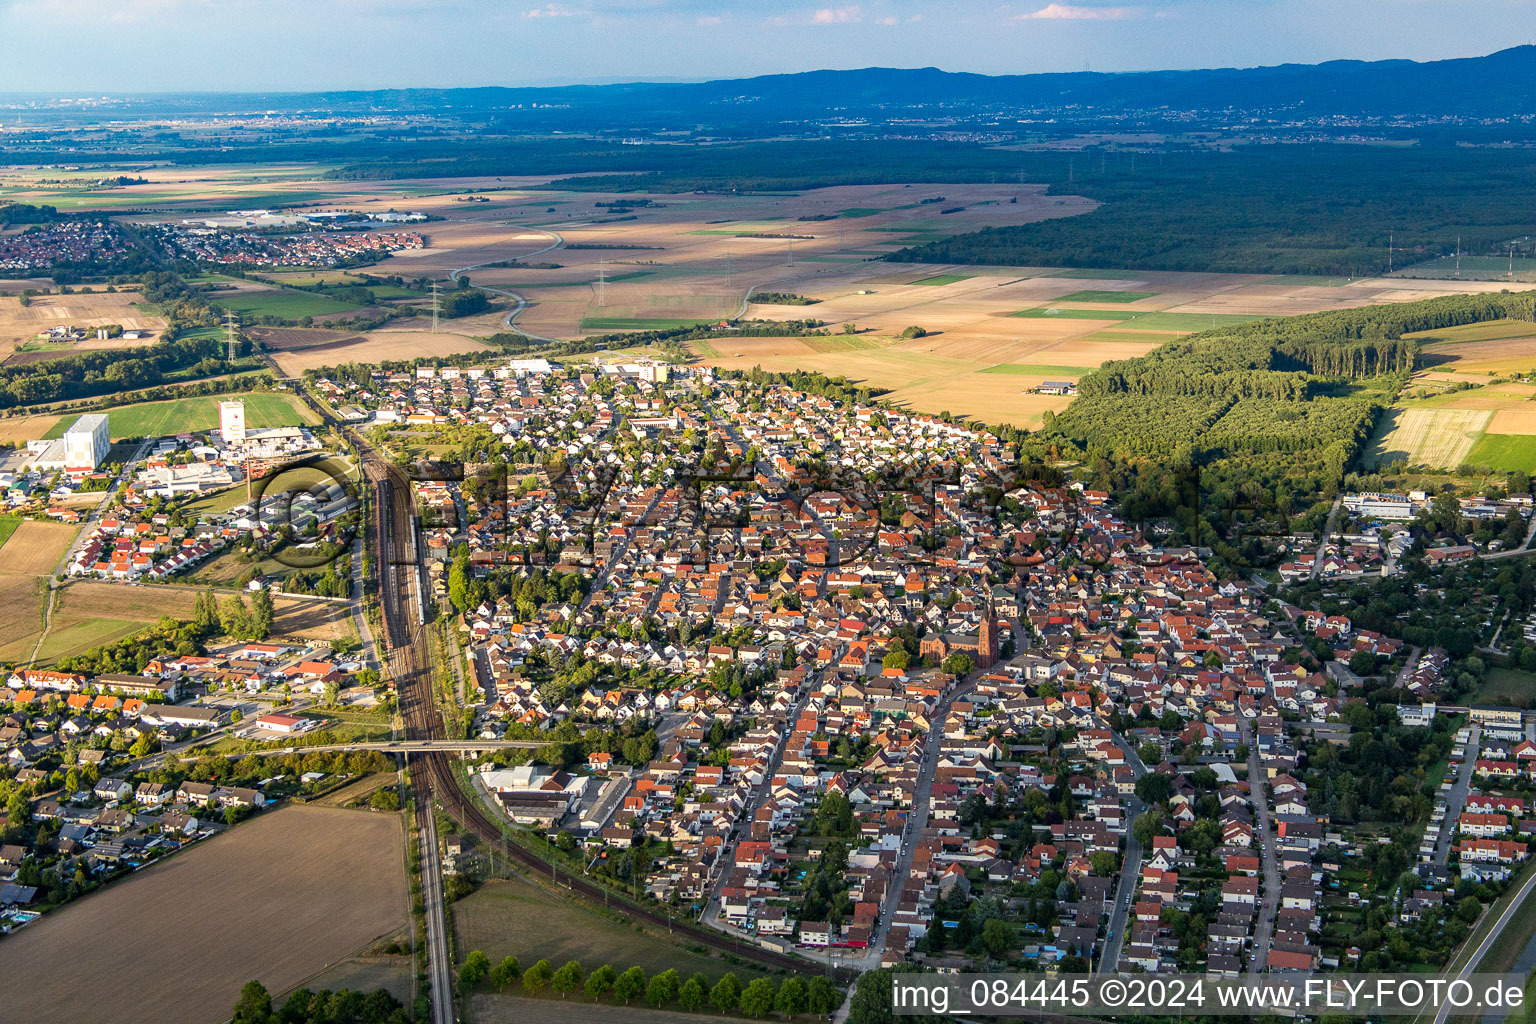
(1441, 438)
(296, 889)
(180, 415)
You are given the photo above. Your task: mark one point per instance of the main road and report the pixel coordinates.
(1130, 870)
(1264, 934)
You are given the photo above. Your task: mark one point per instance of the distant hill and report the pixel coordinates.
(1499, 85)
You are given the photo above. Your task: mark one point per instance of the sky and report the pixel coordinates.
(111, 47)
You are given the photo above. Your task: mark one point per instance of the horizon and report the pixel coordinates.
(532, 45)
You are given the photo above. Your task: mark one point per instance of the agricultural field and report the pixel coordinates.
(283, 339)
(20, 325)
(21, 614)
(300, 889)
(1442, 438)
(517, 917)
(280, 303)
(312, 620)
(180, 415)
(1504, 451)
(34, 548)
(379, 346)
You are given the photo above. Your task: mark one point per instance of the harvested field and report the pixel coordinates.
(1496, 355)
(1430, 437)
(36, 547)
(17, 430)
(20, 325)
(276, 899)
(1514, 421)
(313, 620)
(375, 347)
(21, 614)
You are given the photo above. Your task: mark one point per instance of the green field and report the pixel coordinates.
(942, 279)
(67, 641)
(8, 526)
(1504, 451)
(1153, 321)
(1037, 368)
(1487, 330)
(860, 211)
(1092, 295)
(517, 917)
(182, 415)
(287, 305)
(1504, 687)
(1053, 313)
(638, 323)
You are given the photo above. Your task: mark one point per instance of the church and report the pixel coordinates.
(982, 647)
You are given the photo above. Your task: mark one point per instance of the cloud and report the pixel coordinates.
(851, 14)
(705, 20)
(549, 11)
(887, 20)
(1073, 12)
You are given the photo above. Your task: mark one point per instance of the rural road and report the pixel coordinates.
(522, 303)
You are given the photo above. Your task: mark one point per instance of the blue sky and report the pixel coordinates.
(97, 47)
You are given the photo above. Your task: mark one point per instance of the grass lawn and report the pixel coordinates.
(1505, 451)
(63, 642)
(8, 525)
(1092, 295)
(942, 279)
(514, 916)
(1037, 368)
(638, 323)
(1505, 686)
(288, 305)
(180, 415)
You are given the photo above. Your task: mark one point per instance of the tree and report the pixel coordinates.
(331, 693)
(758, 998)
(1149, 752)
(386, 800)
(1154, 789)
(600, 982)
(629, 984)
(235, 617)
(726, 995)
(476, 966)
(822, 996)
(662, 989)
(261, 615)
(537, 977)
(791, 998)
(255, 1005)
(205, 613)
(1149, 824)
(567, 978)
(691, 996)
(957, 664)
(997, 936)
(504, 975)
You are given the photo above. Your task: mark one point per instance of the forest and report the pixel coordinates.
(1233, 432)
(1314, 208)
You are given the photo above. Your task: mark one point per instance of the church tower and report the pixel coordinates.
(986, 642)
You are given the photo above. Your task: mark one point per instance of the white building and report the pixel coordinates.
(232, 421)
(87, 441)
